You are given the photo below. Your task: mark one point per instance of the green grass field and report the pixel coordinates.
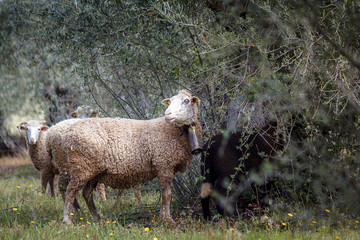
(25, 213)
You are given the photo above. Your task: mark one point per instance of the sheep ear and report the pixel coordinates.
(166, 102)
(195, 100)
(21, 127)
(44, 128)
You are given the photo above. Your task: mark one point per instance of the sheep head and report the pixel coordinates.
(31, 130)
(182, 109)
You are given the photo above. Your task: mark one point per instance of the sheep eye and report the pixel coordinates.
(168, 102)
(186, 101)
(73, 115)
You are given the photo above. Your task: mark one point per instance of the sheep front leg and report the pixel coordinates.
(44, 182)
(165, 200)
(87, 194)
(47, 176)
(63, 182)
(138, 193)
(100, 191)
(51, 183)
(71, 191)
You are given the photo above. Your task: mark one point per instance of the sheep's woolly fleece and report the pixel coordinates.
(53, 142)
(56, 152)
(128, 151)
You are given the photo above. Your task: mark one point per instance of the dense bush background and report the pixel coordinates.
(294, 62)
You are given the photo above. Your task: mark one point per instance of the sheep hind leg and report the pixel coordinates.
(165, 201)
(63, 182)
(88, 196)
(71, 190)
(221, 201)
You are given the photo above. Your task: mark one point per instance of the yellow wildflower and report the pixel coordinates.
(290, 215)
(313, 221)
(327, 210)
(30, 186)
(136, 230)
(284, 224)
(114, 221)
(111, 234)
(88, 222)
(71, 214)
(107, 222)
(357, 221)
(232, 229)
(147, 229)
(83, 225)
(32, 222)
(81, 219)
(15, 209)
(18, 187)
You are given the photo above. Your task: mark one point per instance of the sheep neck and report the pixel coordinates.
(36, 150)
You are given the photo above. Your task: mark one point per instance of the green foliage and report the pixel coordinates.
(25, 213)
(293, 62)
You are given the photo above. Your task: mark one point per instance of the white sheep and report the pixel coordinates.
(124, 152)
(34, 132)
(83, 112)
(53, 141)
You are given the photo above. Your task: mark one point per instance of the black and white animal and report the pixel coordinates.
(234, 155)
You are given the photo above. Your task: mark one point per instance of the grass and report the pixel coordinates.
(25, 213)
